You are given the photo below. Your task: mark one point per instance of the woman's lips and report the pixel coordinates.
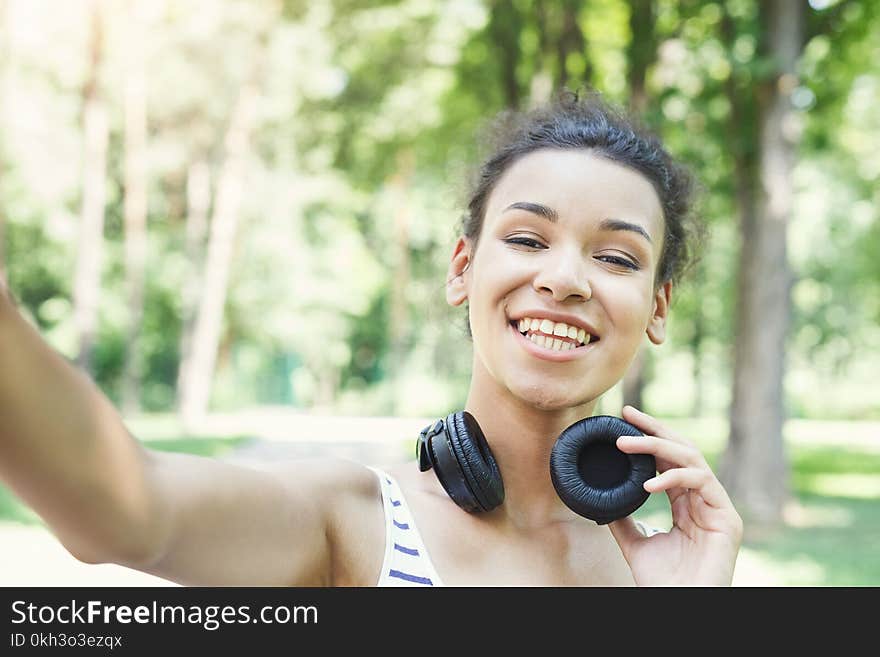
(550, 354)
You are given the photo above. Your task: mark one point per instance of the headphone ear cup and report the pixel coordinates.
(476, 460)
(594, 478)
(459, 454)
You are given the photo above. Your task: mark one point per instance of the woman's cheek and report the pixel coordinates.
(628, 310)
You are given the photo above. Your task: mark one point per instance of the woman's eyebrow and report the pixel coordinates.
(534, 208)
(551, 215)
(620, 224)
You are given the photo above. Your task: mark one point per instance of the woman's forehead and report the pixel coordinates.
(577, 184)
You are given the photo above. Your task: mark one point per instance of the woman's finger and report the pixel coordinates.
(676, 453)
(651, 425)
(701, 480)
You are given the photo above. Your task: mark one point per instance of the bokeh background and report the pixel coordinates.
(236, 217)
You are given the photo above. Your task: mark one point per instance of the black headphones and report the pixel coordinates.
(591, 476)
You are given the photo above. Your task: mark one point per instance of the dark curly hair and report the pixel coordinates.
(584, 120)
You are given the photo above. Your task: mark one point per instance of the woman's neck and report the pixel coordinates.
(521, 438)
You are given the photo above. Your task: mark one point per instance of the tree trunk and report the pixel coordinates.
(696, 346)
(636, 377)
(135, 209)
(571, 40)
(399, 311)
(504, 31)
(754, 467)
(198, 204)
(87, 278)
(194, 396)
(4, 64)
(641, 53)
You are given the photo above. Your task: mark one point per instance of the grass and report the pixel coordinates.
(830, 536)
(835, 527)
(198, 446)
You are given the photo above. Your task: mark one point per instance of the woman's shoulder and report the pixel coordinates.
(329, 479)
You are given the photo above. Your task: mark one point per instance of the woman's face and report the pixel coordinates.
(567, 237)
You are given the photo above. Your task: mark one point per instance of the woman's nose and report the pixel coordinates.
(563, 277)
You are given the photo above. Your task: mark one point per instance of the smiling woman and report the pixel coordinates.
(578, 227)
(575, 235)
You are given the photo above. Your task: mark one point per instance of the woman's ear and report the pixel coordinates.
(456, 280)
(657, 324)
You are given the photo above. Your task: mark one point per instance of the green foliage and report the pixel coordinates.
(367, 136)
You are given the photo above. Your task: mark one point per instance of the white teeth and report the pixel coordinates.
(550, 327)
(550, 343)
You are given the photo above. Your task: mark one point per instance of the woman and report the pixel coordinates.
(576, 219)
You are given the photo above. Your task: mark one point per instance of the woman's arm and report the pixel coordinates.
(65, 452)
(216, 523)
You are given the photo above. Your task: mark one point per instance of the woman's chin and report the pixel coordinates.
(547, 398)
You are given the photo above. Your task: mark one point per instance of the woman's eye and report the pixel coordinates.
(525, 241)
(621, 262)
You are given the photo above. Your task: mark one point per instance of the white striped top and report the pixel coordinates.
(406, 561)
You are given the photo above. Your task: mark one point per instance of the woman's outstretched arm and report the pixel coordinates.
(65, 451)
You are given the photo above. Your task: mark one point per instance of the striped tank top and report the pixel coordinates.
(406, 561)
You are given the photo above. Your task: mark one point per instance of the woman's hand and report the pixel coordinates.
(701, 547)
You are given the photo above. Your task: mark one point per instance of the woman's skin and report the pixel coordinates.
(199, 521)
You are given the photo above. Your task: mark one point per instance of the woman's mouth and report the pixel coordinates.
(556, 340)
